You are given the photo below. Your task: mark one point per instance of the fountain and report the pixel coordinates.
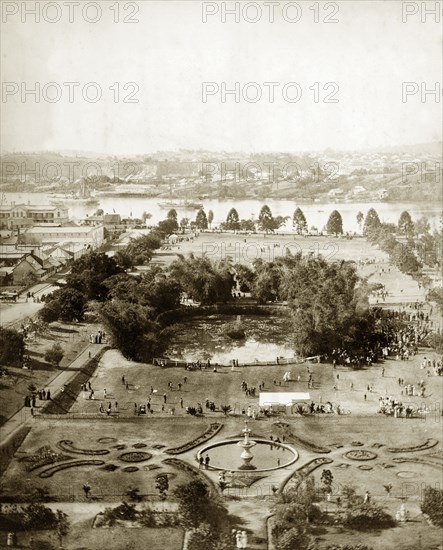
(268, 454)
(246, 445)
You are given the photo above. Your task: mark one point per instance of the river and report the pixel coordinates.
(316, 213)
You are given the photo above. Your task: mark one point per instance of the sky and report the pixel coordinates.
(151, 73)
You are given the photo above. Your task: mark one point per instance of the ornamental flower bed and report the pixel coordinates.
(417, 460)
(428, 444)
(49, 472)
(360, 454)
(304, 471)
(67, 445)
(135, 456)
(106, 440)
(284, 428)
(43, 457)
(213, 429)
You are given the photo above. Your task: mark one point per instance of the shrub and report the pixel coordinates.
(432, 505)
(147, 518)
(369, 516)
(349, 547)
(54, 355)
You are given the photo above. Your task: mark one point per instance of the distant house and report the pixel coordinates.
(29, 265)
(21, 216)
(338, 192)
(359, 189)
(89, 236)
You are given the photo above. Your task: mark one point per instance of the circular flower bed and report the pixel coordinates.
(119, 447)
(365, 467)
(406, 475)
(357, 444)
(106, 440)
(54, 469)
(135, 456)
(139, 445)
(67, 445)
(360, 454)
(130, 469)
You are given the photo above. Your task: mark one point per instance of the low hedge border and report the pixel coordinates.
(304, 471)
(428, 444)
(62, 402)
(209, 433)
(184, 466)
(49, 472)
(68, 446)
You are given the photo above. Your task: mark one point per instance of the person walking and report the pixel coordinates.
(207, 460)
(86, 489)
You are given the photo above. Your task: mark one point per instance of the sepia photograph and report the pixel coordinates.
(221, 288)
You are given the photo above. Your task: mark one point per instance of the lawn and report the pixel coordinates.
(106, 485)
(83, 537)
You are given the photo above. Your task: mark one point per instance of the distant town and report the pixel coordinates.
(408, 173)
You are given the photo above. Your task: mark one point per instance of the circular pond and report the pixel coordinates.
(267, 455)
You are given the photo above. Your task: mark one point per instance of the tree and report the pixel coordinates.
(184, 222)
(146, 216)
(226, 409)
(299, 222)
(432, 505)
(54, 355)
(294, 538)
(172, 214)
(327, 478)
(405, 259)
(210, 217)
(232, 220)
(372, 222)
(265, 220)
(422, 226)
(12, 347)
(197, 506)
(50, 311)
(89, 272)
(405, 224)
(203, 280)
(72, 304)
(245, 277)
(63, 526)
(132, 329)
(201, 220)
(162, 485)
(167, 227)
(335, 223)
(141, 250)
(360, 218)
